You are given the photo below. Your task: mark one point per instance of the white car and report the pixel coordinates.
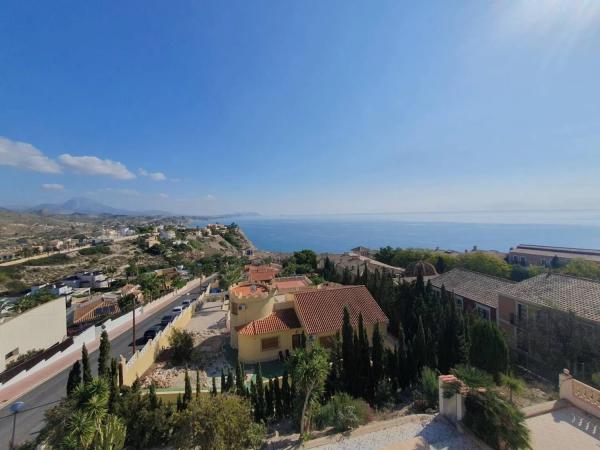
(177, 309)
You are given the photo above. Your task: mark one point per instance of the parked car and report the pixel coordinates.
(152, 332)
(185, 303)
(177, 309)
(167, 319)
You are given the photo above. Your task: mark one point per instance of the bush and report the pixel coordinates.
(495, 421)
(472, 376)
(343, 412)
(429, 388)
(96, 250)
(182, 344)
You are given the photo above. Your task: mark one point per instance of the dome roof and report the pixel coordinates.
(425, 268)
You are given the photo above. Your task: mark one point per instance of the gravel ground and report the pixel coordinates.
(437, 433)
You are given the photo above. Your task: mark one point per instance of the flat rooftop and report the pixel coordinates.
(566, 428)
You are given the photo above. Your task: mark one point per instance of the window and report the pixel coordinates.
(11, 354)
(297, 341)
(269, 343)
(483, 311)
(234, 308)
(459, 302)
(326, 341)
(521, 312)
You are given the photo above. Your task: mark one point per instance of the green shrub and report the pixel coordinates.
(343, 412)
(182, 344)
(472, 376)
(96, 250)
(495, 421)
(428, 388)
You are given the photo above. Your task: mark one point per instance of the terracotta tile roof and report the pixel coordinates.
(249, 290)
(475, 286)
(261, 273)
(322, 310)
(562, 292)
(290, 283)
(284, 319)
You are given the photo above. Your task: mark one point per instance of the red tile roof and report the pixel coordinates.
(322, 310)
(284, 319)
(261, 273)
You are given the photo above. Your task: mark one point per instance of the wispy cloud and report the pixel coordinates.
(559, 23)
(163, 195)
(53, 187)
(25, 156)
(92, 165)
(209, 197)
(120, 191)
(156, 176)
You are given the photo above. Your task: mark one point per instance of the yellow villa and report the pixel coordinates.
(266, 323)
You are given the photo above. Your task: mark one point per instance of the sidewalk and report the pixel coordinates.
(15, 390)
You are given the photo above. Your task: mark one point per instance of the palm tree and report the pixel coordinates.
(310, 369)
(514, 384)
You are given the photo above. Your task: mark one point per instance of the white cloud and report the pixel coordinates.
(156, 176)
(163, 195)
(120, 191)
(210, 197)
(25, 156)
(92, 165)
(53, 187)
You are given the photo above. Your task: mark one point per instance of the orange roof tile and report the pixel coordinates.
(322, 310)
(284, 319)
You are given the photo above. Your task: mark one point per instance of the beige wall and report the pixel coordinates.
(250, 351)
(38, 328)
(143, 360)
(255, 308)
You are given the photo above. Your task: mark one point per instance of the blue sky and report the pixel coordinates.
(301, 107)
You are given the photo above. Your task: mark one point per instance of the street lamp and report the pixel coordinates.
(15, 408)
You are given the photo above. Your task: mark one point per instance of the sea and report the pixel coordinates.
(487, 230)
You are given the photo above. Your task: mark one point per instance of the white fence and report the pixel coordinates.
(91, 334)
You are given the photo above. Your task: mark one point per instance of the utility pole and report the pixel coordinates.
(15, 408)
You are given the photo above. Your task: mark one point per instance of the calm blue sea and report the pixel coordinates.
(490, 231)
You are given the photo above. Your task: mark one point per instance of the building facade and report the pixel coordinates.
(541, 255)
(36, 329)
(267, 324)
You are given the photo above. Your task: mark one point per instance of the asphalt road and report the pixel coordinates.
(30, 422)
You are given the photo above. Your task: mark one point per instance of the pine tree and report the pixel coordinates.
(197, 383)
(187, 393)
(104, 355)
(85, 363)
(364, 361)
(214, 386)
(348, 369)
(377, 355)
(440, 265)
(74, 378)
(403, 367)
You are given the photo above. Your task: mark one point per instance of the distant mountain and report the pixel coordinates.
(82, 205)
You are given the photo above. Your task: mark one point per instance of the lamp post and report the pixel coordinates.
(15, 408)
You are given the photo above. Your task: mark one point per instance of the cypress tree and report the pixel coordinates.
(114, 385)
(229, 380)
(187, 393)
(179, 403)
(214, 386)
(364, 361)
(403, 367)
(85, 363)
(420, 347)
(346, 276)
(153, 399)
(197, 383)
(239, 379)
(223, 382)
(269, 403)
(348, 369)
(74, 378)
(377, 355)
(260, 393)
(278, 399)
(286, 395)
(104, 355)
